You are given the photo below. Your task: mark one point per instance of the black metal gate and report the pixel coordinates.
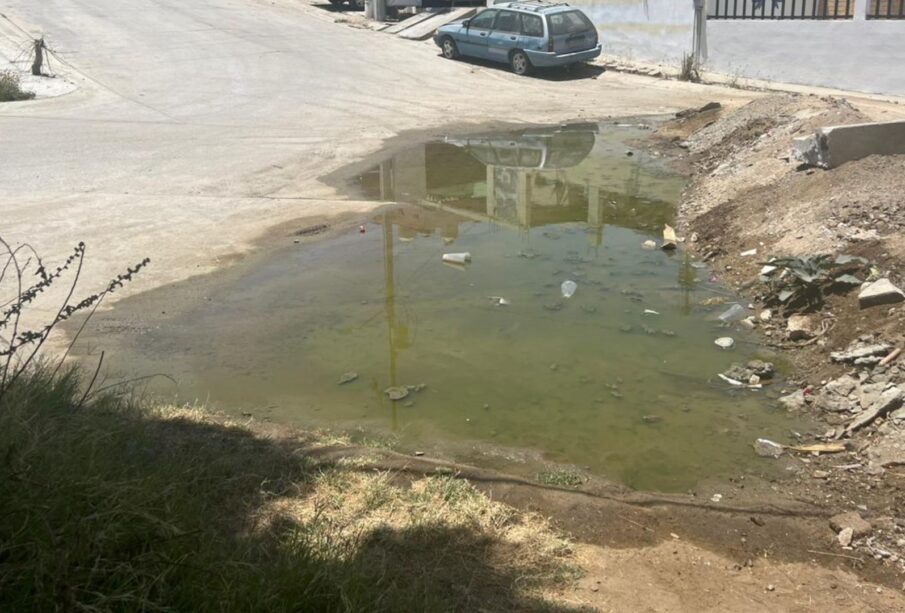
(785, 9)
(886, 9)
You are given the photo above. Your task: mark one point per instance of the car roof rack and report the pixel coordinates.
(534, 5)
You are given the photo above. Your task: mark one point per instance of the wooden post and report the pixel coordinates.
(38, 65)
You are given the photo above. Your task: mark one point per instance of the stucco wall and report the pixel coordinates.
(858, 55)
(643, 30)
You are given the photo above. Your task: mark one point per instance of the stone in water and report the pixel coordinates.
(396, 393)
(347, 377)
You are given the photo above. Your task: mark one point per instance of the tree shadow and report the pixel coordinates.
(113, 508)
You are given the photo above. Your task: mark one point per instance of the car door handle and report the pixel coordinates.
(512, 38)
(483, 34)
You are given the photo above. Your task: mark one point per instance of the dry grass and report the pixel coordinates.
(114, 507)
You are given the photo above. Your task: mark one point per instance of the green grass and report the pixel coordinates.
(561, 477)
(10, 90)
(112, 507)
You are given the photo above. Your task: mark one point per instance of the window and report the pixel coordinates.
(484, 20)
(507, 22)
(532, 25)
(569, 23)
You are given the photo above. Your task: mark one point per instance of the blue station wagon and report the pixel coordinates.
(524, 35)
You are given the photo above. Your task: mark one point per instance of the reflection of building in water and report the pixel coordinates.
(528, 179)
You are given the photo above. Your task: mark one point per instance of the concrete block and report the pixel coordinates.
(880, 292)
(833, 146)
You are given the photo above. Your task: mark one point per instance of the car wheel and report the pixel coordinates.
(520, 63)
(450, 50)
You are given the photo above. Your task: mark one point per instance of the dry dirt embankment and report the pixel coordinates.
(747, 193)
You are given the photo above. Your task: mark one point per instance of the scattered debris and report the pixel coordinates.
(568, 288)
(724, 342)
(800, 327)
(670, 241)
(396, 393)
(861, 349)
(845, 536)
(649, 244)
(766, 448)
(733, 313)
(818, 448)
(650, 312)
(651, 419)
(499, 301)
(748, 253)
(853, 521)
(766, 315)
(312, 230)
(457, 258)
(880, 292)
(794, 401)
(347, 377)
(888, 401)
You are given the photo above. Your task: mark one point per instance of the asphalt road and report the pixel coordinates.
(198, 125)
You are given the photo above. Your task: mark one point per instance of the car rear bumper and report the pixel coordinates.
(544, 58)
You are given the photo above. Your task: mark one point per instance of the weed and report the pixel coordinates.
(801, 284)
(10, 91)
(690, 71)
(562, 477)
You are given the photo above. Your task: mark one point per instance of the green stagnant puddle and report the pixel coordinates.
(569, 380)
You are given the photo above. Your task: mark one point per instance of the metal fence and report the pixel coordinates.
(787, 9)
(886, 9)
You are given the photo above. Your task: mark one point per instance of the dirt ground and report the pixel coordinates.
(747, 193)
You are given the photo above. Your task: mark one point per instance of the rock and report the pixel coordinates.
(766, 315)
(767, 449)
(889, 401)
(880, 292)
(843, 386)
(888, 451)
(800, 327)
(347, 377)
(859, 350)
(396, 393)
(762, 369)
(845, 537)
(749, 322)
(832, 403)
(869, 393)
(724, 342)
(794, 401)
(853, 521)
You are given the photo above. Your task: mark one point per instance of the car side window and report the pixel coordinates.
(507, 22)
(532, 25)
(483, 20)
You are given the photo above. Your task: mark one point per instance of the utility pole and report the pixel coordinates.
(699, 39)
(380, 10)
(37, 66)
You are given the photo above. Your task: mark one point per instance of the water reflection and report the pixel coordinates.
(522, 180)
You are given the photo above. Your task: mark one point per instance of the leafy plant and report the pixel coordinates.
(690, 71)
(799, 284)
(10, 90)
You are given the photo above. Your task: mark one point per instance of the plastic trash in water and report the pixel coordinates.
(734, 313)
(457, 258)
(500, 301)
(650, 312)
(725, 342)
(568, 288)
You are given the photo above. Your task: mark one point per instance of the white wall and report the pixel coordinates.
(859, 55)
(642, 30)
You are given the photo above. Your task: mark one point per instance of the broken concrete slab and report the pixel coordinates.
(411, 21)
(800, 327)
(835, 145)
(880, 292)
(889, 401)
(889, 450)
(857, 351)
(851, 521)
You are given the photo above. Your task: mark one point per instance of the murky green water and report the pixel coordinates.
(591, 380)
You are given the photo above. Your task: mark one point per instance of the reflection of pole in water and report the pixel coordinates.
(686, 282)
(389, 286)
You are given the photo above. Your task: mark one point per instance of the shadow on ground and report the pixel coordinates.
(112, 508)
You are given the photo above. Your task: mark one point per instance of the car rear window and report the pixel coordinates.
(532, 25)
(569, 23)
